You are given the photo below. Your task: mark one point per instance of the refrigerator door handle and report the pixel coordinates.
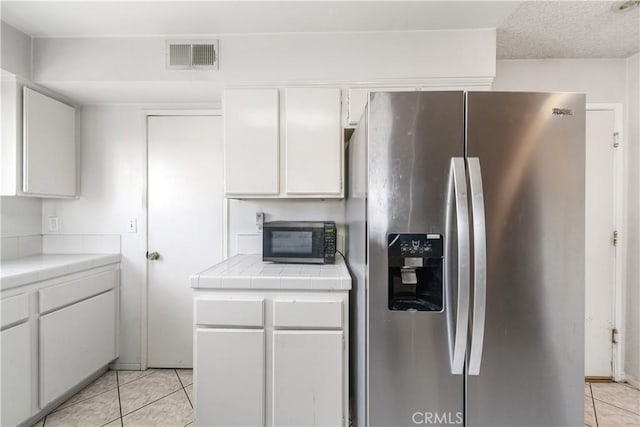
(479, 265)
(458, 327)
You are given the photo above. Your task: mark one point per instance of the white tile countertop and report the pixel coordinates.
(34, 268)
(250, 272)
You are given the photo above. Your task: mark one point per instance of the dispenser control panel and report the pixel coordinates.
(416, 245)
(415, 263)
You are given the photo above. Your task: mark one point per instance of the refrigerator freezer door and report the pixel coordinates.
(531, 147)
(412, 139)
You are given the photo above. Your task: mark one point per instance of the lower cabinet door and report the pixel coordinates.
(308, 378)
(16, 374)
(229, 383)
(75, 342)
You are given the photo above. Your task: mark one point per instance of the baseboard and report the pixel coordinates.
(125, 366)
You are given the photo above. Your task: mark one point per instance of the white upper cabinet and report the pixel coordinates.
(49, 150)
(251, 129)
(313, 141)
(292, 149)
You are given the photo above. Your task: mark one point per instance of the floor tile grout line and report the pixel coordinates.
(141, 376)
(593, 403)
(119, 401)
(58, 409)
(616, 406)
(109, 422)
(185, 392)
(144, 406)
(179, 379)
(183, 388)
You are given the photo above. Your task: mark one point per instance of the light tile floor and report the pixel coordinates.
(163, 397)
(611, 405)
(155, 397)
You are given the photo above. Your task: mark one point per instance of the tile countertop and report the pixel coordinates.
(250, 272)
(25, 270)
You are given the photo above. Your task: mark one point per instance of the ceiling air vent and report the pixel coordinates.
(191, 54)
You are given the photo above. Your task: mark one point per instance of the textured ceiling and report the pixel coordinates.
(568, 29)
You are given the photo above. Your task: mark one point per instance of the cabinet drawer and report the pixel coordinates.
(14, 309)
(230, 312)
(66, 293)
(307, 314)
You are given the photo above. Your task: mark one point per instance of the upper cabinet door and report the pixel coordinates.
(313, 144)
(251, 129)
(49, 146)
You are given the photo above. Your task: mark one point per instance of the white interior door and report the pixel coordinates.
(185, 227)
(600, 251)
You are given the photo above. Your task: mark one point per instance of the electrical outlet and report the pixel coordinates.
(133, 225)
(53, 224)
(259, 221)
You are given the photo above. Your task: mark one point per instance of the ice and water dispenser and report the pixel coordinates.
(415, 272)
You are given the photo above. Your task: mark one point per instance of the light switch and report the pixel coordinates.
(53, 224)
(133, 225)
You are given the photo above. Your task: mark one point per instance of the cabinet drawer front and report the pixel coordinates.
(230, 312)
(307, 314)
(77, 290)
(14, 309)
(75, 342)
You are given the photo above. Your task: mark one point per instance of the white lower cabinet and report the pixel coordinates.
(16, 374)
(75, 341)
(272, 358)
(307, 378)
(230, 387)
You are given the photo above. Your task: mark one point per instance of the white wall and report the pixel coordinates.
(16, 51)
(98, 70)
(603, 81)
(632, 359)
(21, 216)
(113, 158)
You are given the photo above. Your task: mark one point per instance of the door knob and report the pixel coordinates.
(152, 256)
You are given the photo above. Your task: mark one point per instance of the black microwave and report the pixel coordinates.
(303, 242)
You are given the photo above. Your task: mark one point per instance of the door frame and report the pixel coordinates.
(144, 301)
(619, 282)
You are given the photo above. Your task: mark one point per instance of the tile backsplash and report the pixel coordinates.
(20, 246)
(80, 243)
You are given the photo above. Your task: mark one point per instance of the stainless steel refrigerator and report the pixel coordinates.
(465, 216)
